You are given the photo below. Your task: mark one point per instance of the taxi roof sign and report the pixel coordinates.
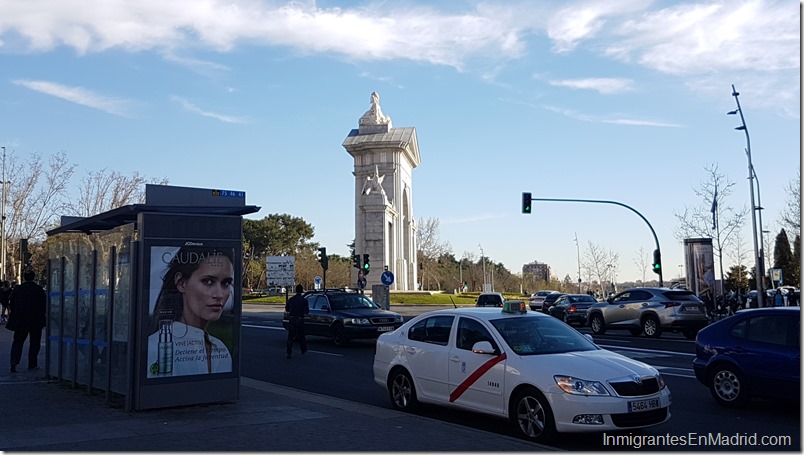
(514, 306)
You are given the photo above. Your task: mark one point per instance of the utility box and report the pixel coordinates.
(144, 301)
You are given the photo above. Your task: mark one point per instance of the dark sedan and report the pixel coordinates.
(346, 315)
(549, 301)
(755, 353)
(571, 308)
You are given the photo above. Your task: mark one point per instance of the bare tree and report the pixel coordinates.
(101, 191)
(596, 262)
(713, 218)
(791, 216)
(35, 195)
(642, 261)
(430, 250)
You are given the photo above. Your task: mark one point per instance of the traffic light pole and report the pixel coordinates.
(655, 238)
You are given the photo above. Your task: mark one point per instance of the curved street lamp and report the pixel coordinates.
(758, 266)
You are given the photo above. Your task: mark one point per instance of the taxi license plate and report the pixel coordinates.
(643, 405)
(388, 328)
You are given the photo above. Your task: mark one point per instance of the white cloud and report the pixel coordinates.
(611, 120)
(78, 95)
(605, 86)
(415, 33)
(197, 110)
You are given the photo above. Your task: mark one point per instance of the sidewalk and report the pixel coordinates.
(49, 415)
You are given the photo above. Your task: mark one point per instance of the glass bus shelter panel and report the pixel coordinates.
(121, 310)
(83, 352)
(68, 314)
(100, 327)
(53, 328)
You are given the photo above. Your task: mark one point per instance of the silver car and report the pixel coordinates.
(650, 311)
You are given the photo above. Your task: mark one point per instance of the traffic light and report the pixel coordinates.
(657, 262)
(356, 261)
(526, 203)
(366, 264)
(323, 259)
(25, 255)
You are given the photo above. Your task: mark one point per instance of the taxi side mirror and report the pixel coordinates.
(483, 347)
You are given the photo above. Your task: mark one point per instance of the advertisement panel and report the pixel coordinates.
(190, 314)
(700, 265)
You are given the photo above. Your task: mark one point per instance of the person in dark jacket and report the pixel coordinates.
(296, 307)
(5, 294)
(28, 305)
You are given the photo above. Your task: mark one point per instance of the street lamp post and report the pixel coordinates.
(578, 250)
(3, 222)
(483, 259)
(758, 267)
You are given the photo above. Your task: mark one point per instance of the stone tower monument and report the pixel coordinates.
(385, 228)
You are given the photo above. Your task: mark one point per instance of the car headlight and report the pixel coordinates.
(398, 318)
(357, 321)
(659, 378)
(578, 386)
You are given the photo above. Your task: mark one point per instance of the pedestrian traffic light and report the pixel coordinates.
(356, 261)
(323, 259)
(657, 262)
(526, 203)
(366, 264)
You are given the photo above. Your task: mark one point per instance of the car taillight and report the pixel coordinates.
(671, 304)
(572, 308)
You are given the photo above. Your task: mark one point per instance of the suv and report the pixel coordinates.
(537, 299)
(649, 310)
(345, 315)
(490, 299)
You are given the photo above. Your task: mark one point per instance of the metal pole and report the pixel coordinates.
(578, 250)
(483, 260)
(655, 238)
(761, 231)
(757, 264)
(3, 223)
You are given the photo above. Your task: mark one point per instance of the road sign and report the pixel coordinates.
(317, 280)
(387, 278)
(280, 270)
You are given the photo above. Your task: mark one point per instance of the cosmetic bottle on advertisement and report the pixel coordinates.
(166, 347)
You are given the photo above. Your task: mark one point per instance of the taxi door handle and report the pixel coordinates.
(455, 358)
(410, 350)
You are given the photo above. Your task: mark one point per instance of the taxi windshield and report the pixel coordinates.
(540, 335)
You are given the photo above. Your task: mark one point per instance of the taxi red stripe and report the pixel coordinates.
(475, 376)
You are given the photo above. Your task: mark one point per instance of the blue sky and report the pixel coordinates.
(621, 100)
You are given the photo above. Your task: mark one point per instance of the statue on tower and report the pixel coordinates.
(374, 115)
(374, 183)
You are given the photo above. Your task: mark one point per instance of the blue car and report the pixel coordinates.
(755, 353)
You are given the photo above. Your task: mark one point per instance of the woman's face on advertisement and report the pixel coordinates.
(206, 290)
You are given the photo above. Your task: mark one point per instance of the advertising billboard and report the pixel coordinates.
(700, 265)
(190, 312)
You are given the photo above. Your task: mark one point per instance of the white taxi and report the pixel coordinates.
(531, 368)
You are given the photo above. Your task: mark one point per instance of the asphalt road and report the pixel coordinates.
(347, 373)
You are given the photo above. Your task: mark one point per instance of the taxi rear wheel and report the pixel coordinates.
(532, 415)
(402, 391)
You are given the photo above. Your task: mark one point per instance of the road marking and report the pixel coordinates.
(686, 372)
(283, 329)
(657, 351)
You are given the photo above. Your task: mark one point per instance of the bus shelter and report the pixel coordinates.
(144, 301)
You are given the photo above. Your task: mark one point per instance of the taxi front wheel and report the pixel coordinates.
(402, 391)
(532, 415)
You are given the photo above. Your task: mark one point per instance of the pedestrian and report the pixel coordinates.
(28, 305)
(296, 307)
(5, 294)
